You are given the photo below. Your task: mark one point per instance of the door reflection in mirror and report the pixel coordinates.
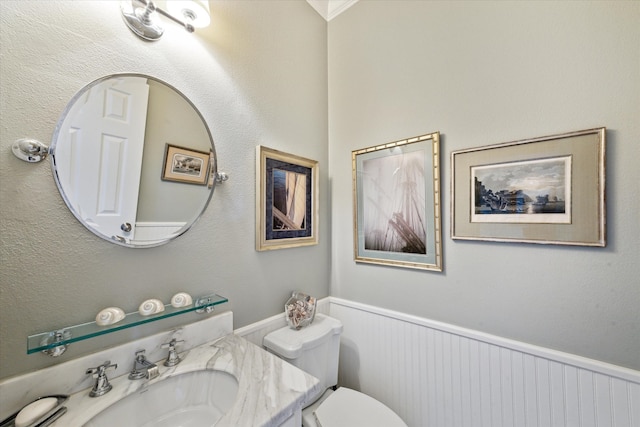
(108, 153)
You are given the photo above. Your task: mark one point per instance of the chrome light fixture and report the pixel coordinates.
(140, 16)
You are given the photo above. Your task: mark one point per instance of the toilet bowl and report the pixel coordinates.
(349, 408)
(315, 349)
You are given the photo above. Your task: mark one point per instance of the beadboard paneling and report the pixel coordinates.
(437, 375)
(433, 374)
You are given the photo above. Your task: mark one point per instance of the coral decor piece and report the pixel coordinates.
(300, 310)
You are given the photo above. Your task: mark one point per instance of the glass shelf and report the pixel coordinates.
(57, 340)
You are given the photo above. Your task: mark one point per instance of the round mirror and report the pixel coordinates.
(134, 160)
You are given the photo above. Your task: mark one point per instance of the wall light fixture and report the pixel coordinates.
(141, 16)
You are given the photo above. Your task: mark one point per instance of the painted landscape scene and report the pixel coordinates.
(186, 165)
(526, 191)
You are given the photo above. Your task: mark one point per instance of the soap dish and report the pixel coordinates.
(46, 418)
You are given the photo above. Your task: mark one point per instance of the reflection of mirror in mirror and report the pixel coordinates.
(109, 153)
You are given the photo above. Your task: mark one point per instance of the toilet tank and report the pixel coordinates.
(315, 349)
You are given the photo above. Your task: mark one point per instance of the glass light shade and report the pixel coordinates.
(195, 12)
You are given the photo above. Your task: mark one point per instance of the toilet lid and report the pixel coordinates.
(348, 408)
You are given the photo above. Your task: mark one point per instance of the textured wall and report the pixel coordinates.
(484, 73)
(480, 73)
(258, 75)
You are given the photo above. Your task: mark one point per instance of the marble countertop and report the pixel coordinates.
(269, 389)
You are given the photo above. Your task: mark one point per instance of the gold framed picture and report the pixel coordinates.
(286, 200)
(547, 190)
(396, 197)
(186, 165)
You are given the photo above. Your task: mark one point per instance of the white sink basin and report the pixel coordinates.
(198, 398)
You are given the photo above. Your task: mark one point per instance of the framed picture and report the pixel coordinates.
(396, 197)
(186, 165)
(548, 190)
(286, 200)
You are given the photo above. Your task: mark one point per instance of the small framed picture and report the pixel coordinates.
(186, 165)
(548, 190)
(396, 197)
(286, 200)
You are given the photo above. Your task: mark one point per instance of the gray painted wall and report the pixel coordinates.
(484, 73)
(258, 75)
(480, 73)
(170, 120)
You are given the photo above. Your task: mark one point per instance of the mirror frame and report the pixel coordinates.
(52, 154)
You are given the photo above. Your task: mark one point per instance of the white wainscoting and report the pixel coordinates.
(153, 231)
(437, 375)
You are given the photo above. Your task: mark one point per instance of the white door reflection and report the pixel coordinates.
(103, 178)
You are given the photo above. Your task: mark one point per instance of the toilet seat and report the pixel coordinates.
(348, 408)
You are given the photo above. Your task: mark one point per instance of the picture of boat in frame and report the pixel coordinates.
(286, 200)
(537, 191)
(185, 165)
(397, 203)
(545, 190)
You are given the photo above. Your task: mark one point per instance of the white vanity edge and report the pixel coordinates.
(269, 390)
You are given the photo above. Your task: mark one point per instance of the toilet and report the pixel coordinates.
(315, 349)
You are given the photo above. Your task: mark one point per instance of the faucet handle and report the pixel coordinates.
(102, 385)
(172, 358)
(100, 370)
(172, 344)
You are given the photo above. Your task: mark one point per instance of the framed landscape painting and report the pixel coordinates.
(548, 190)
(286, 200)
(396, 196)
(185, 165)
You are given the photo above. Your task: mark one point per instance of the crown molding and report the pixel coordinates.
(329, 9)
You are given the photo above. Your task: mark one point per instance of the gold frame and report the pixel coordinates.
(267, 214)
(425, 253)
(587, 224)
(169, 174)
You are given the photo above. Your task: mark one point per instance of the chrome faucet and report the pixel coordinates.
(142, 368)
(172, 358)
(102, 385)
